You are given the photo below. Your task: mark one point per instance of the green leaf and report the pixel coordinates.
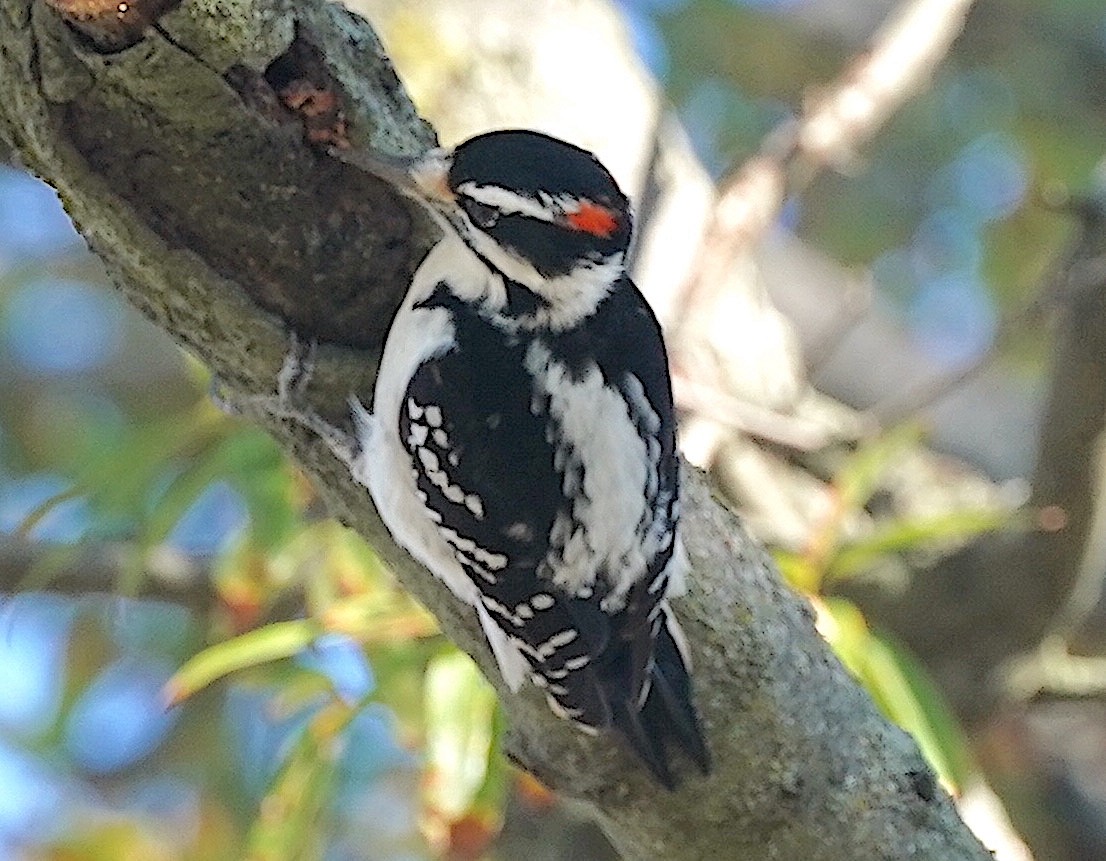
(399, 669)
(905, 535)
(261, 474)
(183, 490)
(798, 569)
(287, 827)
(274, 641)
(252, 464)
(119, 474)
(943, 743)
(460, 735)
(492, 795)
(900, 688)
(846, 630)
(861, 474)
(853, 486)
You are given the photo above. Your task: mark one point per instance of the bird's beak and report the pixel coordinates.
(424, 177)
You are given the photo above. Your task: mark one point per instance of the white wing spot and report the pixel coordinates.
(494, 605)
(414, 411)
(434, 416)
(429, 460)
(525, 648)
(474, 504)
(441, 437)
(486, 576)
(560, 710)
(465, 545)
(520, 531)
(549, 648)
(542, 601)
(494, 561)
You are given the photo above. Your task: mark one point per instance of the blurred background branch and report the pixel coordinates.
(838, 119)
(102, 569)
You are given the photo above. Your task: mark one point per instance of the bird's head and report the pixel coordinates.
(542, 212)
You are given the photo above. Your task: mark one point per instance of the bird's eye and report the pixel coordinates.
(480, 214)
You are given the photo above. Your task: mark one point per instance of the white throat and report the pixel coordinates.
(566, 300)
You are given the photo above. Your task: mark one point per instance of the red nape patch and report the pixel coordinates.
(594, 219)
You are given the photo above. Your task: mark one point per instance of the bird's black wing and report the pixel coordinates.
(486, 470)
(645, 671)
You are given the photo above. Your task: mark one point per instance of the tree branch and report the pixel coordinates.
(182, 165)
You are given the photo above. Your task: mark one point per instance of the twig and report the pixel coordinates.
(96, 569)
(903, 56)
(748, 417)
(1069, 277)
(906, 406)
(1053, 670)
(855, 305)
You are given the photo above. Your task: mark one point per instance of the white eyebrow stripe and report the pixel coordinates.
(549, 209)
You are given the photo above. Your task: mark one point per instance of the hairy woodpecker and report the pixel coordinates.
(521, 443)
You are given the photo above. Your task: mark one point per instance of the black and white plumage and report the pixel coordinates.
(521, 443)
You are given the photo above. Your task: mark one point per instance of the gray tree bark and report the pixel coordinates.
(170, 142)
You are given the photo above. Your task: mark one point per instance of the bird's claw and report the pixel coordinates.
(290, 402)
(295, 373)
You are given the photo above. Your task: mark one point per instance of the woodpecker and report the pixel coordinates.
(521, 443)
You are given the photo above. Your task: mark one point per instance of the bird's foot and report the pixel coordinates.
(290, 400)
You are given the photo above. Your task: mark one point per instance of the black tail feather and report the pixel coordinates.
(672, 686)
(667, 717)
(644, 741)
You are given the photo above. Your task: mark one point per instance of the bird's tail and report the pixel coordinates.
(667, 717)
